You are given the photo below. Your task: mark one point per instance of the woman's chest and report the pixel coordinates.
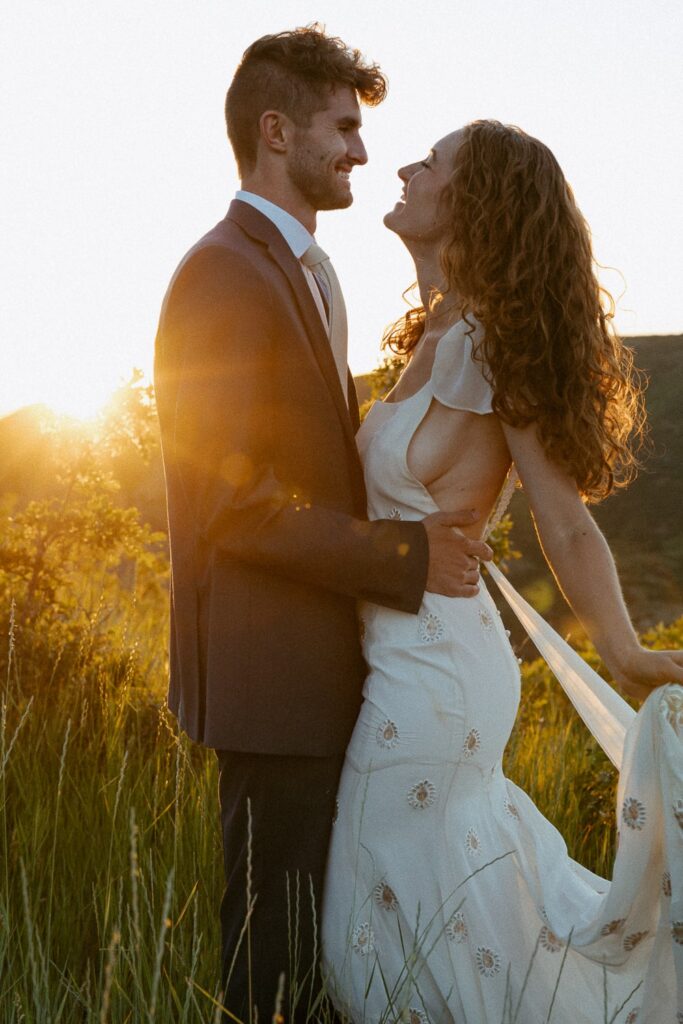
(457, 451)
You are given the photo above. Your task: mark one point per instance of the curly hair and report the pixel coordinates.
(518, 255)
(293, 73)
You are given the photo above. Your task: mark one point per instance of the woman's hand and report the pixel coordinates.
(642, 671)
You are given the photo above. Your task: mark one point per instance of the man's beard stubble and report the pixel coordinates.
(319, 186)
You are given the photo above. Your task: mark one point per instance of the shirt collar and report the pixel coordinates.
(294, 233)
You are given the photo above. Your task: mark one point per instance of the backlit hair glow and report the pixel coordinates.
(518, 254)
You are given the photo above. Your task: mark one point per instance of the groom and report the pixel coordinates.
(269, 539)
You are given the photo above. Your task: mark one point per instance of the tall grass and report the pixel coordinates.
(111, 869)
(111, 865)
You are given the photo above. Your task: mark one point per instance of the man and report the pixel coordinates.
(267, 511)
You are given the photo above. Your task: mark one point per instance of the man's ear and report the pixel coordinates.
(276, 130)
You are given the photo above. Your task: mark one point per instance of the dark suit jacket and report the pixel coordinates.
(270, 546)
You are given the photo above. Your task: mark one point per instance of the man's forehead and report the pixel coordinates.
(343, 105)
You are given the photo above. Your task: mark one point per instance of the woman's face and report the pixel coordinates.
(418, 216)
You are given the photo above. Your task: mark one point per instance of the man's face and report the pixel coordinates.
(324, 153)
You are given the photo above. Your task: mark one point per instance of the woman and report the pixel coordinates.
(449, 897)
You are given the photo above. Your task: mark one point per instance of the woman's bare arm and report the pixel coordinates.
(583, 565)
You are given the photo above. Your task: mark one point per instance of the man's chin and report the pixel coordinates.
(339, 201)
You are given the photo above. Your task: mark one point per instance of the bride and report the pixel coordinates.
(449, 897)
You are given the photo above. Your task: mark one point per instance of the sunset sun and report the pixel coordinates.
(84, 404)
(70, 394)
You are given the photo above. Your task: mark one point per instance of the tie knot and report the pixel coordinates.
(314, 256)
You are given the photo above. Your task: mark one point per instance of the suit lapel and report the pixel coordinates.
(264, 231)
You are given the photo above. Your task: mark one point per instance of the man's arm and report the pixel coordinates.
(214, 376)
(214, 381)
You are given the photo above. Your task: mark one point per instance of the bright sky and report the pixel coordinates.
(116, 161)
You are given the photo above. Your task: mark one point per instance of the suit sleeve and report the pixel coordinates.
(214, 378)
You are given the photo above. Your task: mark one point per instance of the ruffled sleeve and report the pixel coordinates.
(457, 378)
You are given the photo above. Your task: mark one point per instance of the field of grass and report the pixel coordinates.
(109, 846)
(110, 860)
(111, 866)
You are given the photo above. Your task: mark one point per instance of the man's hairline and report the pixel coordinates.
(353, 121)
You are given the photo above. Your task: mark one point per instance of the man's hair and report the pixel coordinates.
(293, 73)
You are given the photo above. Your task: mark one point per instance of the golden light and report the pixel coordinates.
(83, 405)
(66, 397)
(67, 383)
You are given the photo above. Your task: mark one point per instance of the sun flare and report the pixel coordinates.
(84, 404)
(84, 408)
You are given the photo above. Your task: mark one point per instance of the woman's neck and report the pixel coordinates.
(443, 306)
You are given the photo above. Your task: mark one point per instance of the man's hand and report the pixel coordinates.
(453, 559)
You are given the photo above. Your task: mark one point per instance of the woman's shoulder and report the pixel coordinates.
(459, 375)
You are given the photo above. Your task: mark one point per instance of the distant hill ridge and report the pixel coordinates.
(644, 524)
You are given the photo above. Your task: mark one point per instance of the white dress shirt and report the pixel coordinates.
(295, 235)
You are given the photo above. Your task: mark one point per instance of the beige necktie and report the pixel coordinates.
(319, 262)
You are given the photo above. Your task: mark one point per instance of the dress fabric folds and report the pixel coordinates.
(449, 898)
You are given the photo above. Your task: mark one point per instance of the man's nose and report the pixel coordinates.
(357, 151)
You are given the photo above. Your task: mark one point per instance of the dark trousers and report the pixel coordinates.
(283, 849)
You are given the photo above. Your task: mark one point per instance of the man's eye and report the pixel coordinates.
(424, 163)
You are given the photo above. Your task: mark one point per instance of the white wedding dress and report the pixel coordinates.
(449, 898)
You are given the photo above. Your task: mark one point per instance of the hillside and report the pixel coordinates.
(643, 524)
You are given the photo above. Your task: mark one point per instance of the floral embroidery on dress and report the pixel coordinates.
(678, 812)
(417, 1016)
(550, 941)
(431, 628)
(674, 702)
(486, 619)
(613, 926)
(633, 1016)
(422, 794)
(488, 961)
(395, 513)
(633, 813)
(362, 628)
(632, 940)
(666, 883)
(387, 734)
(363, 939)
(677, 932)
(385, 896)
(510, 808)
(472, 843)
(456, 929)
(472, 743)
(335, 813)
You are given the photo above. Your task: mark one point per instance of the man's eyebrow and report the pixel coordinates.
(349, 122)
